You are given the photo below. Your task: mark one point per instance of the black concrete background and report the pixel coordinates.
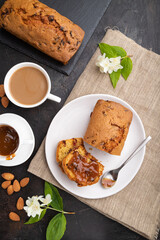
(139, 20)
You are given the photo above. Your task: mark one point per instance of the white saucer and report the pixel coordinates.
(25, 132)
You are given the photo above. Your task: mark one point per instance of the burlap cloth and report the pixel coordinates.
(138, 205)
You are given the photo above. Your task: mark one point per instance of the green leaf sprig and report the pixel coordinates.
(126, 62)
(57, 226)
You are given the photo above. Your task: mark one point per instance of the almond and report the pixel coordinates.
(5, 101)
(2, 92)
(20, 203)
(24, 182)
(14, 216)
(10, 190)
(16, 186)
(8, 176)
(5, 184)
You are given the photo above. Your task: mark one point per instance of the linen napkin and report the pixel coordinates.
(138, 205)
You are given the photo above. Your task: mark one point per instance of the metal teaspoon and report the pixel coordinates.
(109, 178)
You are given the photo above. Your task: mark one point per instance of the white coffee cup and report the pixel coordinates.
(33, 65)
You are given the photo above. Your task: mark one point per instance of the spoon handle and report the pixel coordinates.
(146, 140)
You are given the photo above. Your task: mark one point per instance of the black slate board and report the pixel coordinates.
(85, 13)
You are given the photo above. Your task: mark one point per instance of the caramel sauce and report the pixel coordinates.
(82, 170)
(10, 157)
(107, 183)
(9, 141)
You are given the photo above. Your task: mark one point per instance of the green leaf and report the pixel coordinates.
(127, 67)
(119, 51)
(56, 227)
(57, 201)
(36, 218)
(114, 76)
(108, 50)
(112, 51)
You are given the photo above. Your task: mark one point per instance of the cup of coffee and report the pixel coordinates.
(28, 85)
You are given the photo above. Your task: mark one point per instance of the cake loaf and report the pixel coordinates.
(108, 127)
(42, 27)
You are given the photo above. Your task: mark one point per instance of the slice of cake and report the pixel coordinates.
(66, 146)
(81, 167)
(108, 127)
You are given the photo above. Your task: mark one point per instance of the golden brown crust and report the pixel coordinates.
(42, 27)
(108, 127)
(81, 167)
(66, 146)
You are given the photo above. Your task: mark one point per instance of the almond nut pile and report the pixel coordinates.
(4, 99)
(14, 187)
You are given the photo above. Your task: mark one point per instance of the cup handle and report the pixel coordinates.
(54, 98)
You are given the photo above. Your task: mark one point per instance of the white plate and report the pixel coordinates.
(25, 132)
(71, 122)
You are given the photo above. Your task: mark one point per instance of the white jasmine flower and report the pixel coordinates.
(46, 200)
(33, 206)
(40, 197)
(115, 64)
(103, 63)
(109, 65)
(111, 68)
(100, 59)
(114, 68)
(115, 61)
